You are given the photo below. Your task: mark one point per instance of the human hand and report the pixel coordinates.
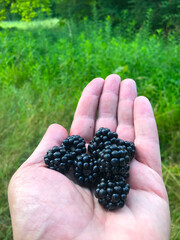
(45, 204)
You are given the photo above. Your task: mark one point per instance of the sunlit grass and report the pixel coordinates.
(171, 176)
(48, 23)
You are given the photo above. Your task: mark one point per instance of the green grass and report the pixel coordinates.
(48, 23)
(43, 71)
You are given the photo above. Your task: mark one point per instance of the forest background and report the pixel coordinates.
(50, 50)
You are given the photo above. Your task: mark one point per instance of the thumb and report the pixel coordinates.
(54, 136)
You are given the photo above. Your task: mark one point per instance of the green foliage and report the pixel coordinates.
(164, 13)
(42, 74)
(26, 9)
(161, 14)
(153, 14)
(76, 9)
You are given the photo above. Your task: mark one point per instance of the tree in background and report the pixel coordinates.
(163, 14)
(156, 14)
(26, 9)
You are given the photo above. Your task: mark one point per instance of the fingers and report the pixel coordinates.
(107, 113)
(146, 135)
(84, 118)
(54, 136)
(128, 93)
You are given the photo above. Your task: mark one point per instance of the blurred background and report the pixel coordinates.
(50, 50)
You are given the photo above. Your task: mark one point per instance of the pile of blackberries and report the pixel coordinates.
(106, 167)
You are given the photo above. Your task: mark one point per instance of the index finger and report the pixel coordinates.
(84, 117)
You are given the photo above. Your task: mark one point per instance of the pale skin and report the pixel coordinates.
(45, 204)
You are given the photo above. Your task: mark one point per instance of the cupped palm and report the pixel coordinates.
(45, 204)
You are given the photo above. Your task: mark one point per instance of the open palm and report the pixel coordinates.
(45, 204)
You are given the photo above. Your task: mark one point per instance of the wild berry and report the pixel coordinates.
(104, 137)
(112, 194)
(86, 170)
(74, 144)
(113, 160)
(58, 159)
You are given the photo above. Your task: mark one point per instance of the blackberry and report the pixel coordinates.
(113, 160)
(105, 137)
(102, 138)
(129, 147)
(62, 158)
(74, 145)
(86, 170)
(58, 159)
(112, 194)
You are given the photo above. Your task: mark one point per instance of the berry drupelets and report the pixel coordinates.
(113, 154)
(86, 170)
(104, 137)
(106, 167)
(113, 160)
(58, 159)
(74, 145)
(112, 194)
(62, 158)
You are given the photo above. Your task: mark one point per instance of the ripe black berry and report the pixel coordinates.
(58, 159)
(86, 170)
(104, 137)
(74, 144)
(113, 160)
(112, 194)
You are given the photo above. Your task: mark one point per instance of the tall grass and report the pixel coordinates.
(43, 71)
